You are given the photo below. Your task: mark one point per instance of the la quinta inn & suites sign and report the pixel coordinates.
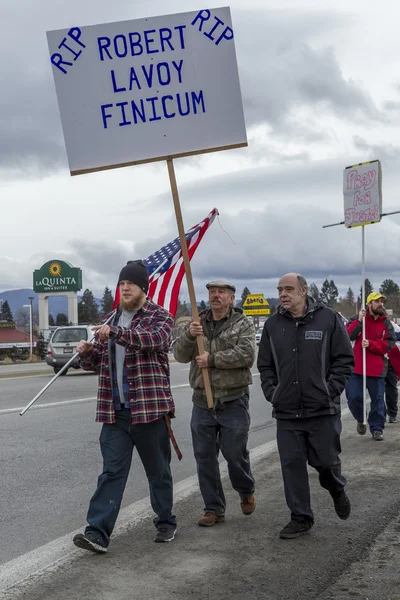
(57, 276)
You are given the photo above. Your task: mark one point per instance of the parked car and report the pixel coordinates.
(396, 328)
(258, 335)
(63, 343)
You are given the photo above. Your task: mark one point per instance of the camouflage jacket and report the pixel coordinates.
(232, 347)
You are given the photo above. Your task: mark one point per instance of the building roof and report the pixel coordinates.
(16, 336)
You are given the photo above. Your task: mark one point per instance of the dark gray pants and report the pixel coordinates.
(316, 441)
(226, 428)
(391, 391)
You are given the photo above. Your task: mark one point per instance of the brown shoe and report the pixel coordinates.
(248, 505)
(210, 519)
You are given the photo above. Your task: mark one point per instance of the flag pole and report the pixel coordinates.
(189, 278)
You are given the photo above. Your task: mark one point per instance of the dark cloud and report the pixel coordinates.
(392, 106)
(100, 261)
(387, 152)
(281, 71)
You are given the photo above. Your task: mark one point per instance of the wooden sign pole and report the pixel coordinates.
(186, 262)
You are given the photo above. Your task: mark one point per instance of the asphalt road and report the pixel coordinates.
(50, 459)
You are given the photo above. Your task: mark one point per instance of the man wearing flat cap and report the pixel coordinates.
(229, 342)
(379, 340)
(134, 405)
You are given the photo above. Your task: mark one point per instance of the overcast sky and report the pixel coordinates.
(321, 90)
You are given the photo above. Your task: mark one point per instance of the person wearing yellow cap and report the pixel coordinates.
(379, 340)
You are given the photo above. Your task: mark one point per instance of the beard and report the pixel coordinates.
(377, 311)
(132, 304)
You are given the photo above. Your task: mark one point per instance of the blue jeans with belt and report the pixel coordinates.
(117, 441)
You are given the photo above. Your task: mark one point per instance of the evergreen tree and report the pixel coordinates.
(393, 301)
(203, 305)
(107, 302)
(88, 311)
(244, 295)
(51, 320)
(334, 293)
(329, 293)
(6, 314)
(41, 347)
(313, 291)
(350, 299)
(368, 289)
(61, 319)
(389, 288)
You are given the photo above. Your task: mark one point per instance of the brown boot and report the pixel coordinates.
(210, 519)
(248, 505)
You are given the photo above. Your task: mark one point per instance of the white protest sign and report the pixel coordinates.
(137, 91)
(362, 191)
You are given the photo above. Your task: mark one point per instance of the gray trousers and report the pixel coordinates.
(315, 441)
(391, 391)
(226, 428)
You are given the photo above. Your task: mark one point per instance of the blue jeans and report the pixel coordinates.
(376, 389)
(117, 441)
(227, 429)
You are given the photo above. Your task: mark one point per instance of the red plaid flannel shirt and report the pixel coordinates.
(147, 343)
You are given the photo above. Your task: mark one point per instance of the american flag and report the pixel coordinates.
(166, 266)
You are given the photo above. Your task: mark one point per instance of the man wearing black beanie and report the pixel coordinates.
(134, 404)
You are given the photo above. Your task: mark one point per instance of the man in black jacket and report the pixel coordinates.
(305, 359)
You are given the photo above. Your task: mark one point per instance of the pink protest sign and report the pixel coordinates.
(362, 192)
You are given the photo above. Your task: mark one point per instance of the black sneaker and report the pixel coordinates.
(90, 541)
(295, 529)
(377, 436)
(342, 505)
(361, 429)
(165, 534)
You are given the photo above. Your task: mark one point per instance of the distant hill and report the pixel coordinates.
(17, 298)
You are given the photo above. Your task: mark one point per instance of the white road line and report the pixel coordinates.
(27, 376)
(48, 558)
(6, 411)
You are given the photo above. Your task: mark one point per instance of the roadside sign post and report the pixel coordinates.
(256, 305)
(362, 193)
(147, 90)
